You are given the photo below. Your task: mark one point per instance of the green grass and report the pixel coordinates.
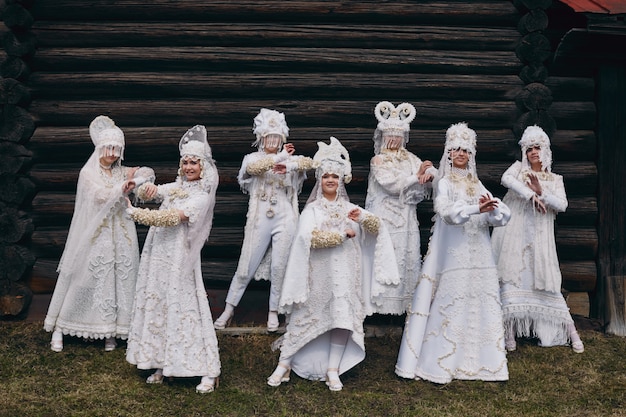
(83, 380)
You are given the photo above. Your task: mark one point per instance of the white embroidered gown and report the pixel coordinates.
(327, 288)
(393, 194)
(172, 328)
(459, 334)
(94, 292)
(525, 251)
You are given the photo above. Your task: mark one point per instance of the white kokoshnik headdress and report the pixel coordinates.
(107, 137)
(459, 136)
(392, 121)
(331, 159)
(194, 145)
(269, 122)
(536, 136)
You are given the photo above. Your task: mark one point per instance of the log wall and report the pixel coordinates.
(159, 67)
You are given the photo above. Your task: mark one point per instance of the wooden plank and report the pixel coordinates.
(88, 34)
(342, 113)
(487, 13)
(274, 60)
(231, 143)
(579, 276)
(216, 85)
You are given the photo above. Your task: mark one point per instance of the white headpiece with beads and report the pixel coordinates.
(107, 137)
(269, 122)
(536, 136)
(194, 145)
(459, 136)
(394, 121)
(331, 159)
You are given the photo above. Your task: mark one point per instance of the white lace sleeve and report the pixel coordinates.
(510, 179)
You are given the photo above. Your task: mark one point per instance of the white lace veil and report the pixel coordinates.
(331, 159)
(535, 136)
(95, 201)
(194, 145)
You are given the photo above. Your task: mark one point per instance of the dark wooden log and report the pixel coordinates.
(577, 243)
(15, 16)
(484, 13)
(534, 21)
(579, 276)
(534, 48)
(13, 157)
(534, 96)
(132, 59)
(15, 261)
(19, 44)
(321, 85)
(231, 143)
(16, 124)
(185, 112)
(534, 73)
(16, 190)
(15, 302)
(13, 92)
(14, 67)
(88, 34)
(15, 225)
(540, 118)
(525, 6)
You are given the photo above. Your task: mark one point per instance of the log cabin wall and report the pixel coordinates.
(157, 68)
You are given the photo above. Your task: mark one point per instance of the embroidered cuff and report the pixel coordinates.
(371, 224)
(141, 192)
(325, 239)
(159, 218)
(260, 167)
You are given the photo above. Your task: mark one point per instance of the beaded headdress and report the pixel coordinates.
(536, 136)
(393, 121)
(107, 137)
(269, 122)
(194, 145)
(459, 136)
(333, 159)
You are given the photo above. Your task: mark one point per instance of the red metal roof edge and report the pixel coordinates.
(597, 6)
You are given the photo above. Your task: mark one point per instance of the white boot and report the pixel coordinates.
(224, 320)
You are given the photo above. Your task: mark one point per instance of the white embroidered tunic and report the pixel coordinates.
(459, 334)
(525, 252)
(328, 282)
(393, 193)
(98, 270)
(172, 328)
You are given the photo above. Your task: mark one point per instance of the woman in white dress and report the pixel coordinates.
(98, 270)
(329, 280)
(172, 329)
(525, 249)
(398, 182)
(454, 327)
(273, 176)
